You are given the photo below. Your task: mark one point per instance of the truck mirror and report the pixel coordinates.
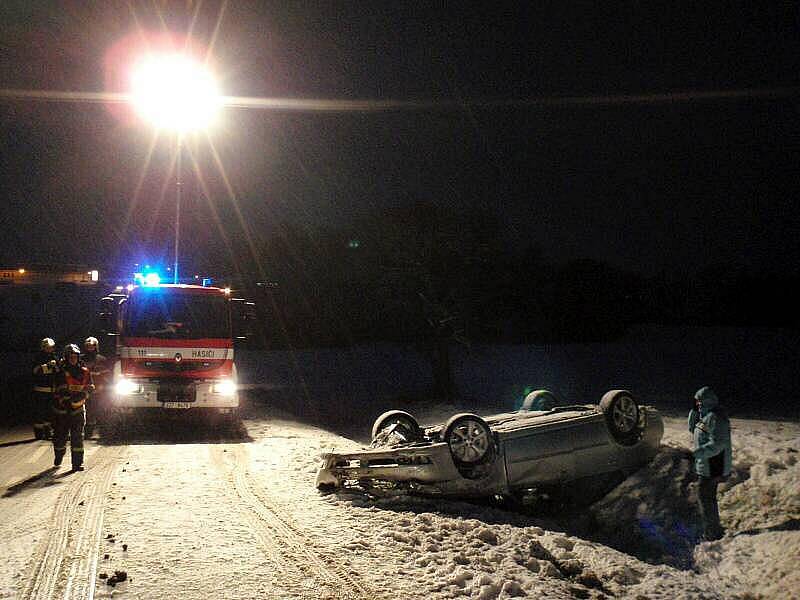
(106, 315)
(107, 325)
(243, 319)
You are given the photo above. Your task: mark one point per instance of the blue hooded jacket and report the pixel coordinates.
(711, 431)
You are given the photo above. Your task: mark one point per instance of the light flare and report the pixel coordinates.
(174, 92)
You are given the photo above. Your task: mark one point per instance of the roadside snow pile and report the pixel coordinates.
(480, 556)
(770, 497)
(765, 565)
(653, 512)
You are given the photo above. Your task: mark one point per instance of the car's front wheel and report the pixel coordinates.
(622, 415)
(470, 440)
(540, 400)
(398, 423)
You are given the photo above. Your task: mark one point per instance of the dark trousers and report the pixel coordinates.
(69, 423)
(709, 509)
(41, 403)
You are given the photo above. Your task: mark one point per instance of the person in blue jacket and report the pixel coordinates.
(712, 452)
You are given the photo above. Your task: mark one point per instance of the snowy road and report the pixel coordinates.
(195, 517)
(236, 515)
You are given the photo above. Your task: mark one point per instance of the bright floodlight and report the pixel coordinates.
(173, 91)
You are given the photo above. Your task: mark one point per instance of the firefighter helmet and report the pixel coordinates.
(47, 344)
(90, 343)
(71, 349)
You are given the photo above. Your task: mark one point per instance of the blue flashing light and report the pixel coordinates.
(147, 279)
(207, 281)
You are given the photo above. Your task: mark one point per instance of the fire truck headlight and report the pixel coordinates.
(224, 387)
(126, 387)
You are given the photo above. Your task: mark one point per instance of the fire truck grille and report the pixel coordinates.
(175, 391)
(180, 367)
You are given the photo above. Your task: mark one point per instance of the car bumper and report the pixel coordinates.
(427, 468)
(199, 395)
(428, 463)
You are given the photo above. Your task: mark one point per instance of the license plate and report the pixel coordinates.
(177, 405)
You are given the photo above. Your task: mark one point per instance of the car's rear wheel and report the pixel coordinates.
(470, 440)
(622, 415)
(400, 422)
(540, 400)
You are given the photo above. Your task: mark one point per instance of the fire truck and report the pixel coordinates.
(172, 348)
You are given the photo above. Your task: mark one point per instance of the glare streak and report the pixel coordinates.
(213, 208)
(215, 34)
(235, 203)
(366, 105)
(142, 175)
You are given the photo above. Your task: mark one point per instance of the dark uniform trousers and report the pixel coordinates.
(41, 403)
(69, 423)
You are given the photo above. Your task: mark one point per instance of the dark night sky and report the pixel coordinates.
(646, 186)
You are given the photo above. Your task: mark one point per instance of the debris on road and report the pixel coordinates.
(117, 577)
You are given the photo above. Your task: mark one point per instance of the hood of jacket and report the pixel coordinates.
(707, 397)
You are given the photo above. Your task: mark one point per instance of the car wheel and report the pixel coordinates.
(470, 440)
(540, 400)
(622, 415)
(403, 423)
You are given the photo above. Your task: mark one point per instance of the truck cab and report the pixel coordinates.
(173, 350)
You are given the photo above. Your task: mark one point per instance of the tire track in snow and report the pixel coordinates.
(284, 541)
(294, 580)
(65, 564)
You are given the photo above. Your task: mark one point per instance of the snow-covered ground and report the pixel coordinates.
(238, 516)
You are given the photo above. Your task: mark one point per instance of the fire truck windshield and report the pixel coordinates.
(176, 316)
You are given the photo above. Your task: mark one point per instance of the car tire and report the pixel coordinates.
(622, 415)
(470, 440)
(410, 428)
(540, 400)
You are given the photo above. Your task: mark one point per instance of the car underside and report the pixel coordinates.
(509, 454)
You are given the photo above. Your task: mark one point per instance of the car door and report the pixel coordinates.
(552, 449)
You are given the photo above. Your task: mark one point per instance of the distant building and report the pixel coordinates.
(48, 275)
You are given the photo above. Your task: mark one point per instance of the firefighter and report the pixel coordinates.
(98, 367)
(45, 367)
(73, 386)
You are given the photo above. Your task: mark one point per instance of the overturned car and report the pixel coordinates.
(543, 446)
